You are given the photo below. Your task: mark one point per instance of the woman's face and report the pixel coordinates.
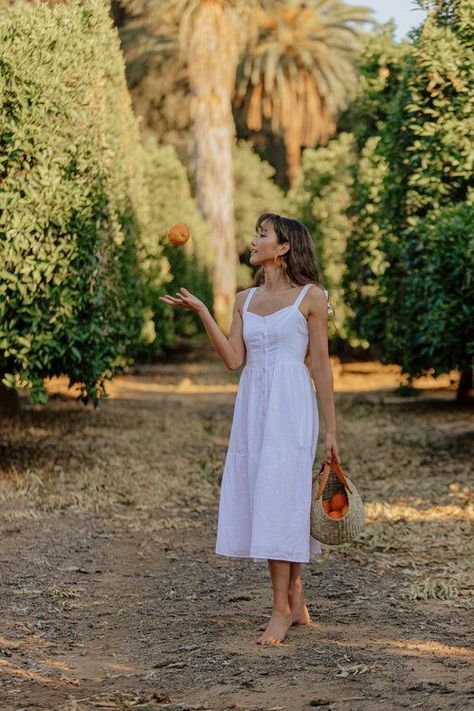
(264, 245)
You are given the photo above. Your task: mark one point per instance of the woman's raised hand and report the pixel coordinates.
(184, 300)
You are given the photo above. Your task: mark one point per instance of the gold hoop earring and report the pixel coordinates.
(277, 259)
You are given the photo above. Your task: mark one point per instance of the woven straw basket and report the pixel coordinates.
(329, 481)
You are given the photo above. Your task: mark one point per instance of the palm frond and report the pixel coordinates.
(303, 64)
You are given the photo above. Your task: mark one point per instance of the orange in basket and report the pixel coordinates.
(338, 501)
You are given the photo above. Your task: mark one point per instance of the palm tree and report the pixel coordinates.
(301, 72)
(209, 36)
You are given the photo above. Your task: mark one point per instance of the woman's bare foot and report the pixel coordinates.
(277, 629)
(301, 617)
(299, 611)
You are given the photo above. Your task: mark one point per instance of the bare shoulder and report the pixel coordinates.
(240, 299)
(242, 295)
(317, 300)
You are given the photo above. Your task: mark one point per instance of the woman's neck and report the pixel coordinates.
(275, 281)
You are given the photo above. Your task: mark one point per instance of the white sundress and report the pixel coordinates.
(265, 495)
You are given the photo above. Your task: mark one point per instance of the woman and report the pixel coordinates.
(265, 497)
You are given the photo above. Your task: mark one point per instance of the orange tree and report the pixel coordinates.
(410, 256)
(72, 198)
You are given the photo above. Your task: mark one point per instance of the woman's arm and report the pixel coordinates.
(320, 368)
(231, 349)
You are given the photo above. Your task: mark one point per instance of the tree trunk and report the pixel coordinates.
(465, 385)
(212, 63)
(293, 155)
(213, 171)
(9, 402)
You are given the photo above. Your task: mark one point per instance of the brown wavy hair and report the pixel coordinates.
(300, 264)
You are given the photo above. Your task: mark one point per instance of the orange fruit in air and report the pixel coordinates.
(335, 514)
(338, 501)
(178, 234)
(344, 510)
(326, 506)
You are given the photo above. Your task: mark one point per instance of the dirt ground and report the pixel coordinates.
(111, 595)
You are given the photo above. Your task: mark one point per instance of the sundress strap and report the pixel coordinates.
(302, 294)
(296, 304)
(249, 296)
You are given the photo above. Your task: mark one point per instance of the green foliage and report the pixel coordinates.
(390, 205)
(321, 200)
(157, 80)
(429, 327)
(365, 258)
(381, 75)
(255, 192)
(438, 299)
(188, 265)
(381, 70)
(73, 199)
(428, 135)
(412, 184)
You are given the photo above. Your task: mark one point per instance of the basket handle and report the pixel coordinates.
(325, 470)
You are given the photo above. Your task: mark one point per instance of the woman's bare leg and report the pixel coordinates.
(299, 611)
(280, 621)
(296, 601)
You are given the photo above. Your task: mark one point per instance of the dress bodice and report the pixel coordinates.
(279, 337)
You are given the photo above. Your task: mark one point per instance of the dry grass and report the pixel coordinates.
(159, 441)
